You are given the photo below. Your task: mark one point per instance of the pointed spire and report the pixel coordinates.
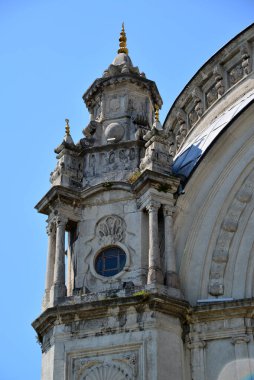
(122, 41)
(67, 127)
(67, 137)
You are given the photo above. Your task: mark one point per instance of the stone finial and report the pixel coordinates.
(157, 123)
(157, 114)
(122, 41)
(67, 127)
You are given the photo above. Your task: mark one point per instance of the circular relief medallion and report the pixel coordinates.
(110, 261)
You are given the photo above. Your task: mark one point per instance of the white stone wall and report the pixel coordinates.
(120, 207)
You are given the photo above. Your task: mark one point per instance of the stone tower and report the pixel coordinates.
(112, 307)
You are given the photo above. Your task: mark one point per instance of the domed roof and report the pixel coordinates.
(193, 150)
(210, 102)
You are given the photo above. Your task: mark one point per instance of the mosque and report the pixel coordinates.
(150, 263)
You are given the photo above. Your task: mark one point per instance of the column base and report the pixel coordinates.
(172, 280)
(154, 276)
(57, 291)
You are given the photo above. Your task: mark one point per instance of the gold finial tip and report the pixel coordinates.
(67, 127)
(156, 112)
(122, 41)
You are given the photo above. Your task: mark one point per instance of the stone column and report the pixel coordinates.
(51, 231)
(197, 346)
(170, 259)
(59, 288)
(154, 271)
(242, 364)
(70, 273)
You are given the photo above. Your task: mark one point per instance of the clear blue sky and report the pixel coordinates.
(50, 52)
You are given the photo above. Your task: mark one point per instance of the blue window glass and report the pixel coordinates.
(110, 261)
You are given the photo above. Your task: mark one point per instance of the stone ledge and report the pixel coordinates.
(66, 312)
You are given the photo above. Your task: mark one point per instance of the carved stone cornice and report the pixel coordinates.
(164, 184)
(225, 70)
(218, 311)
(67, 313)
(140, 81)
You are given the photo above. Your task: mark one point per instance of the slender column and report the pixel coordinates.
(242, 363)
(70, 274)
(59, 288)
(154, 271)
(51, 231)
(197, 347)
(170, 259)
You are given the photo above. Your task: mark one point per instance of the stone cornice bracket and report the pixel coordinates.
(181, 116)
(246, 58)
(182, 130)
(219, 81)
(197, 97)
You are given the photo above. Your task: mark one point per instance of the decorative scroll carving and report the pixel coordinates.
(228, 228)
(111, 229)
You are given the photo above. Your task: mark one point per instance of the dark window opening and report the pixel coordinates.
(110, 261)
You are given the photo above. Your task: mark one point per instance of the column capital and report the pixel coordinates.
(153, 206)
(168, 210)
(50, 227)
(61, 220)
(240, 339)
(197, 343)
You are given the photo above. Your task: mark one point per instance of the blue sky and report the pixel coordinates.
(50, 52)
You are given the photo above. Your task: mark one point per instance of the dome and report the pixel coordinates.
(122, 59)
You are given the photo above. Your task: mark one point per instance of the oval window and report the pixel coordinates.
(110, 261)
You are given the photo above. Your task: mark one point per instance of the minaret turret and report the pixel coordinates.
(112, 286)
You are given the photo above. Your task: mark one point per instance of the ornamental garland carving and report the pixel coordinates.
(111, 229)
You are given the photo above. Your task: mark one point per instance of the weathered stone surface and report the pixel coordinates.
(145, 279)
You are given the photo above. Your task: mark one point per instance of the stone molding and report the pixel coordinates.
(228, 229)
(119, 362)
(99, 309)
